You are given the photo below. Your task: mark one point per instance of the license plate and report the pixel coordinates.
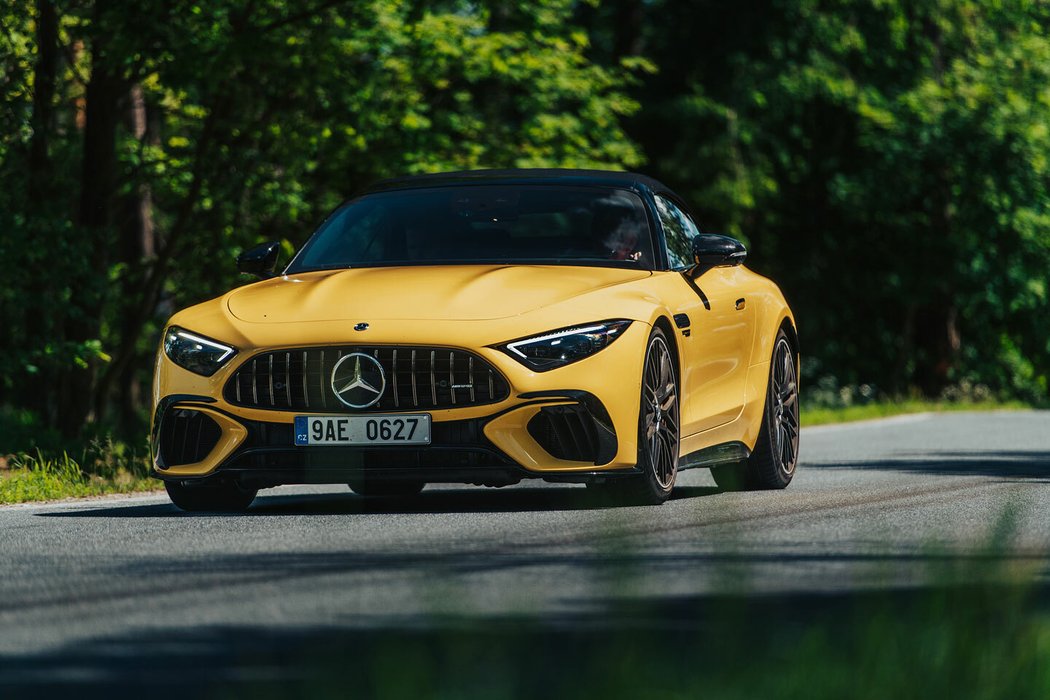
(411, 429)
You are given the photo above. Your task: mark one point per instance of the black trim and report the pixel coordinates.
(723, 453)
(699, 292)
(681, 320)
(553, 176)
(459, 452)
(187, 436)
(269, 477)
(606, 434)
(566, 431)
(162, 406)
(589, 476)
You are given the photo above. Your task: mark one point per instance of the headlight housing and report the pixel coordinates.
(196, 353)
(565, 346)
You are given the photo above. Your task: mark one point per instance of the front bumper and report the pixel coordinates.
(540, 430)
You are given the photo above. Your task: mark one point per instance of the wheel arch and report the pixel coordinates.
(788, 326)
(664, 323)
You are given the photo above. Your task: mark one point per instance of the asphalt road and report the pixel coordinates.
(130, 590)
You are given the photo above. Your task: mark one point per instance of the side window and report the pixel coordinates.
(679, 231)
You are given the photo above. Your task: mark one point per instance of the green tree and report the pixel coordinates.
(888, 161)
(162, 139)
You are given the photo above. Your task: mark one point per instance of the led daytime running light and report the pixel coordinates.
(513, 347)
(227, 350)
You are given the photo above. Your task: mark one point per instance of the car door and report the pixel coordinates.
(716, 352)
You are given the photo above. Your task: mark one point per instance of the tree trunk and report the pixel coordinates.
(627, 37)
(105, 90)
(37, 392)
(119, 383)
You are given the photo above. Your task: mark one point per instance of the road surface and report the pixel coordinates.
(130, 590)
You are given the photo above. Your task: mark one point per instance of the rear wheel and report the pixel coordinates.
(381, 488)
(772, 463)
(213, 498)
(658, 431)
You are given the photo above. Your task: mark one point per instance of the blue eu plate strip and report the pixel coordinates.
(301, 431)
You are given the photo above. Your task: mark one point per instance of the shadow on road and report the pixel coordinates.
(820, 645)
(1015, 464)
(467, 500)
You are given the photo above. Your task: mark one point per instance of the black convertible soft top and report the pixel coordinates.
(545, 176)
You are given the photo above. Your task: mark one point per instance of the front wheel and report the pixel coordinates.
(213, 498)
(772, 463)
(658, 430)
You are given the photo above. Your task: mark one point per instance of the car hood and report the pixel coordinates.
(453, 292)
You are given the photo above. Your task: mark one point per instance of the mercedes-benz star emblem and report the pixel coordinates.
(358, 380)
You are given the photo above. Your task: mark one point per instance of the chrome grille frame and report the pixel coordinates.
(418, 378)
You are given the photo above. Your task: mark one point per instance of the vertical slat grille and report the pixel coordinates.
(416, 379)
(186, 436)
(566, 432)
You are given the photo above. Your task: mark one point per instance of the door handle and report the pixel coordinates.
(740, 304)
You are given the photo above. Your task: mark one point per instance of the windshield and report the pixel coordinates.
(484, 224)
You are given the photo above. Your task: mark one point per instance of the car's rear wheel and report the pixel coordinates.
(213, 498)
(658, 430)
(385, 488)
(772, 462)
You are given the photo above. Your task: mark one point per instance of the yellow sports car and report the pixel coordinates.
(484, 327)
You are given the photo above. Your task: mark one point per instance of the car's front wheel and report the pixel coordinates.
(658, 430)
(772, 462)
(214, 498)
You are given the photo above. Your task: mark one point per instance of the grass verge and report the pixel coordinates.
(816, 415)
(42, 478)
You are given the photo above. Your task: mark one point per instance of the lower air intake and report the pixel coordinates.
(187, 436)
(566, 432)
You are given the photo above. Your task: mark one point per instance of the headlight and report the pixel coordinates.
(196, 353)
(563, 347)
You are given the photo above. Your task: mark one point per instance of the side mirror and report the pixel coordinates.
(712, 250)
(260, 261)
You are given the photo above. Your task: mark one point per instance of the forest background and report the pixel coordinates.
(887, 162)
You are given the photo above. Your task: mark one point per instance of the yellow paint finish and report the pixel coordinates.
(427, 293)
(724, 360)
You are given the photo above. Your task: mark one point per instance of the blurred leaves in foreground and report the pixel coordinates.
(967, 623)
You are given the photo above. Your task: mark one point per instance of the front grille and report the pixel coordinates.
(187, 436)
(416, 378)
(566, 432)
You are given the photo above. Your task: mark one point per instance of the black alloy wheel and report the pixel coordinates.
(658, 430)
(772, 463)
(210, 498)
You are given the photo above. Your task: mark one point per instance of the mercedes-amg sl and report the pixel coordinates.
(484, 327)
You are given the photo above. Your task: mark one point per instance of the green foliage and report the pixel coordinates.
(888, 163)
(846, 412)
(178, 134)
(104, 468)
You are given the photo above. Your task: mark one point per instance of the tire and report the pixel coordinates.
(658, 431)
(210, 498)
(772, 462)
(379, 488)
